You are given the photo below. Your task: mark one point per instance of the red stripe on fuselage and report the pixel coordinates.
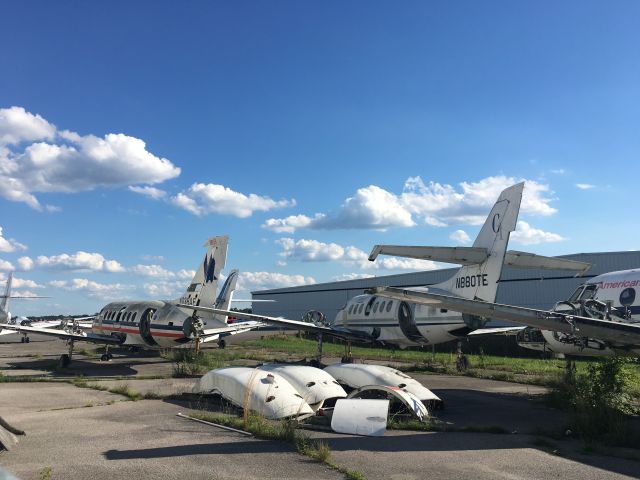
(137, 332)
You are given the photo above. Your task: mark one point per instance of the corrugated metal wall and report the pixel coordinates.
(527, 288)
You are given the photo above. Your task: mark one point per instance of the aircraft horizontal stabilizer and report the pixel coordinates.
(457, 255)
(477, 255)
(625, 333)
(513, 258)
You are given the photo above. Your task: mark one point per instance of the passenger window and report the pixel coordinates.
(375, 307)
(360, 308)
(381, 307)
(389, 305)
(133, 318)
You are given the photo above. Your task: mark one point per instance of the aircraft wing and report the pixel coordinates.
(284, 322)
(615, 332)
(52, 332)
(496, 331)
(214, 333)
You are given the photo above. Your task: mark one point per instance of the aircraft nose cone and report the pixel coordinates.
(192, 327)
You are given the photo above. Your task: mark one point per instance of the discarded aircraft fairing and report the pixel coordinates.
(401, 402)
(360, 417)
(356, 375)
(317, 387)
(267, 393)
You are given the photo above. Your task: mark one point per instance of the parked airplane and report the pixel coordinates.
(602, 316)
(373, 318)
(610, 296)
(159, 324)
(6, 317)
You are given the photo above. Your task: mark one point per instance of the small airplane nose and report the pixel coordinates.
(192, 327)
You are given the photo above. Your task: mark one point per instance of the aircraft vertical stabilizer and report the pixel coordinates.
(223, 302)
(4, 305)
(480, 281)
(203, 287)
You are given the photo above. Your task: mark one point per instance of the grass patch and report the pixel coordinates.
(127, 391)
(533, 371)
(284, 430)
(433, 425)
(599, 401)
(45, 473)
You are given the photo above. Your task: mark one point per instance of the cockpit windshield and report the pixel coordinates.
(584, 292)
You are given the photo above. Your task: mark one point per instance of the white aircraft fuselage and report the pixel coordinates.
(611, 295)
(401, 323)
(148, 324)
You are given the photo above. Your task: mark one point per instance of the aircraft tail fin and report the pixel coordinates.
(4, 305)
(223, 302)
(203, 287)
(480, 281)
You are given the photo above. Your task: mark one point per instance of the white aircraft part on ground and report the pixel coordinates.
(360, 417)
(356, 375)
(315, 385)
(267, 393)
(397, 394)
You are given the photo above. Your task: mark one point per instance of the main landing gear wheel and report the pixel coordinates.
(24, 340)
(222, 343)
(106, 357)
(65, 360)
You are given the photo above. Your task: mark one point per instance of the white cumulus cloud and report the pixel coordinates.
(105, 291)
(585, 186)
(165, 289)
(152, 192)
(25, 263)
(432, 204)
(249, 281)
(35, 157)
(460, 237)
(161, 273)
(527, 235)
(17, 125)
(6, 265)
(310, 250)
(203, 199)
(10, 245)
(314, 251)
(79, 261)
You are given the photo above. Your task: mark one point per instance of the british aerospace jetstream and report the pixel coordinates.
(402, 322)
(159, 324)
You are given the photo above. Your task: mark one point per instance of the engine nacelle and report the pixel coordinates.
(473, 321)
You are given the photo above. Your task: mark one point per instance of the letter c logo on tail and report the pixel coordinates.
(495, 223)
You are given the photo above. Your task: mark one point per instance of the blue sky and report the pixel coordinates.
(130, 132)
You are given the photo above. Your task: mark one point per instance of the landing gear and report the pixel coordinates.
(106, 356)
(65, 359)
(348, 356)
(317, 362)
(24, 339)
(462, 362)
(222, 343)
